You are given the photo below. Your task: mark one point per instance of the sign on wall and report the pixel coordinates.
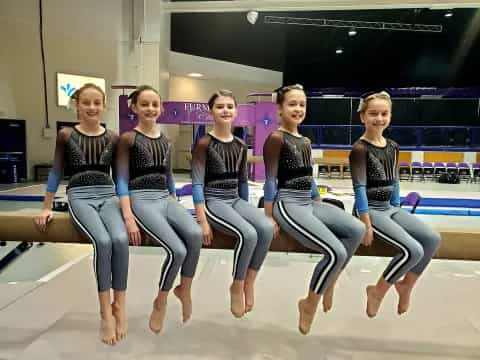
(68, 83)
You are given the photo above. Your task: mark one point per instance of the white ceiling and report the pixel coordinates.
(301, 5)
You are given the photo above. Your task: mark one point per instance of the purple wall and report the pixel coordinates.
(265, 115)
(262, 116)
(186, 113)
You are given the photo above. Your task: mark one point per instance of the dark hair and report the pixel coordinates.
(133, 97)
(217, 94)
(76, 95)
(278, 95)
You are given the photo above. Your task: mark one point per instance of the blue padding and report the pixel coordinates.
(474, 212)
(440, 211)
(38, 198)
(449, 202)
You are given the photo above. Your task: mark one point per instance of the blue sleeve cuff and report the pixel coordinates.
(197, 194)
(122, 186)
(270, 189)
(53, 181)
(171, 185)
(243, 190)
(315, 193)
(395, 200)
(361, 201)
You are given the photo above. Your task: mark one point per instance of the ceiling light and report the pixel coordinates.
(252, 17)
(449, 14)
(195, 75)
(352, 32)
(339, 51)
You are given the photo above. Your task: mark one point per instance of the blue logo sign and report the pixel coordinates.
(68, 89)
(132, 117)
(266, 120)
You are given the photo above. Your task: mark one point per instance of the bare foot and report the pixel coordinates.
(373, 301)
(403, 297)
(121, 324)
(186, 301)
(305, 318)
(107, 329)
(327, 300)
(237, 305)
(249, 297)
(157, 316)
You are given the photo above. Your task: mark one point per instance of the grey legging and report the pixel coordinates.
(323, 228)
(416, 241)
(173, 228)
(96, 213)
(251, 228)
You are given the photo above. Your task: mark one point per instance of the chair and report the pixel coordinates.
(464, 172)
(428, 171)
(404, 170)
(323, 171)
(476, 171)
(416, 171)
(412, 199)
(452, 168)
(439, 169)
(335, 171)
(346, 171)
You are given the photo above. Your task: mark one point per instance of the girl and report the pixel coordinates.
(220, 195)
(374, 164)
(84, 152)
(292, 199)
(145, 181)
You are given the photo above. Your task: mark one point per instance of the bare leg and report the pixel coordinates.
(307, 308)
(158, 312)
(249, 290)
(184, 293)
(375, 295)
(120, 313)
(107, 322)
(404, 289)
(237, 298)
(327, 299)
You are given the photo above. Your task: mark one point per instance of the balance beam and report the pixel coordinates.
(457, 244)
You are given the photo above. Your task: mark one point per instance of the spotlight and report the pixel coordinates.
(449, 14)
(352, 32)
(252, 17)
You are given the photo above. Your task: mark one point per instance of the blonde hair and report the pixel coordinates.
(366, 98)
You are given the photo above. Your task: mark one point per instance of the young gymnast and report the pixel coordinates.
(146, 188)
(85, 153)
(220, 195)
(374, 165)
(292, 199)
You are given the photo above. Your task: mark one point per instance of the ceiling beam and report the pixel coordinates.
(312, 5)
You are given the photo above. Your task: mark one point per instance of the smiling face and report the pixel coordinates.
(377, 115)
(90, 104)
(293, 108)
(147, 106)
(224, 110)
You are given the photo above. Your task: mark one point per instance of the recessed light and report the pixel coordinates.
(352, 32)
(449, 14)
(196, 75)
(339, 51)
